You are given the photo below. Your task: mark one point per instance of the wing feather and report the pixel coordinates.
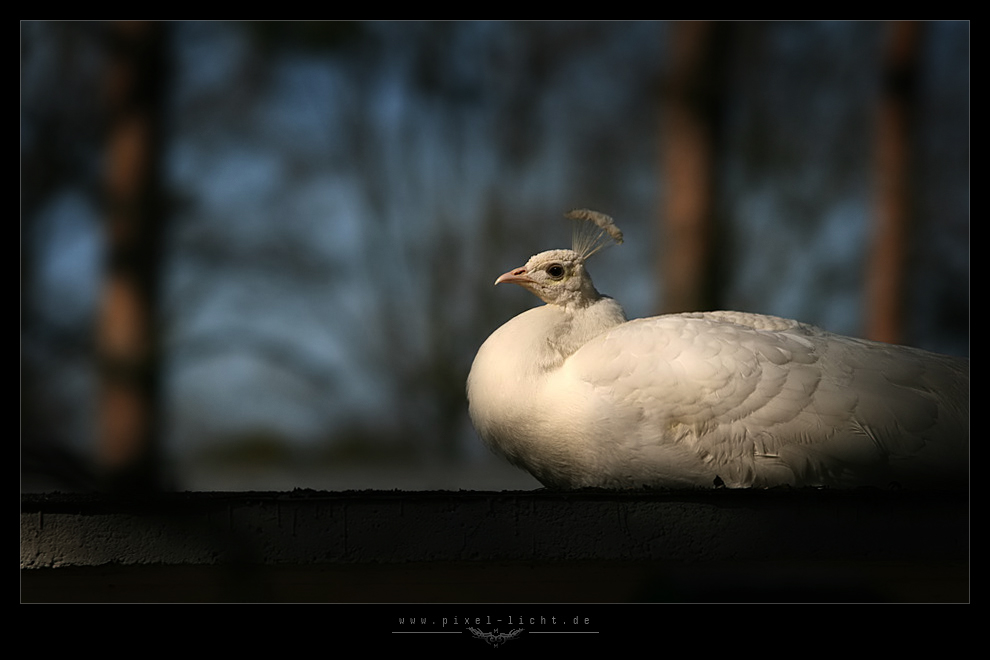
(754, 397)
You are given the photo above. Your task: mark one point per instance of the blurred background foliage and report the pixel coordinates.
(262, 253)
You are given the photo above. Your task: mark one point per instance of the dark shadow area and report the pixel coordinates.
(510, 547)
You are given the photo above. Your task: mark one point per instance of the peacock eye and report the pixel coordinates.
(555, 271)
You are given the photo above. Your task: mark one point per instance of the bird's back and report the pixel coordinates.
(762, 401)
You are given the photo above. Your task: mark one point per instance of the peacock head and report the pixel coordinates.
(558, 277)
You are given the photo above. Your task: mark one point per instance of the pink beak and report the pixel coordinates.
(516, 276)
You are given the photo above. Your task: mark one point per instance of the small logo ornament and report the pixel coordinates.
(496, 638)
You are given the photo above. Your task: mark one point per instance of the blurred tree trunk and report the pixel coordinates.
(688, 132)
(891, 241)
(127, 333)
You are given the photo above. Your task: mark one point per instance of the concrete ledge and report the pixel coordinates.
(515, 546)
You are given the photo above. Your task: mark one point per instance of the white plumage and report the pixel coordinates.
(579, 396)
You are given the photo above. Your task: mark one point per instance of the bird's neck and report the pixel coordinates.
(573, 326)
